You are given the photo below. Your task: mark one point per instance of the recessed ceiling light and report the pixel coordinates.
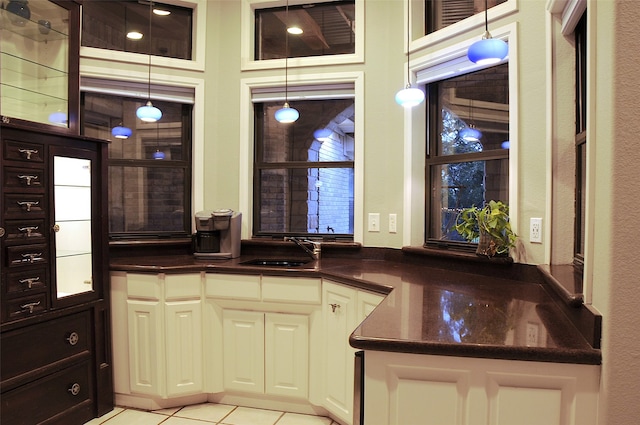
(134, 35)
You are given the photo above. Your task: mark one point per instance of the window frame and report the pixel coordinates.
(198, 38)
(580, 140)
(433, 159)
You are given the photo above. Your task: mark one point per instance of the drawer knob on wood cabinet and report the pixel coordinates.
(74, 389)
(28, 230)
(56, 228)
(27, 178)
(28, 204)
(29, 281)
(30, 306)
(28, 152)
(1, 232)
(334, 307)
(73, 338)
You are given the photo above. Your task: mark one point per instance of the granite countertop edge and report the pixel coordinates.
(342, 272)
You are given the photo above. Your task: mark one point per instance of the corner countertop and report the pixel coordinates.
(427, 310)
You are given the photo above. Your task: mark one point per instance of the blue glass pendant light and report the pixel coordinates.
(148, 112)
(286, 114)
(409, 96)
(121, 132)
(488, 50)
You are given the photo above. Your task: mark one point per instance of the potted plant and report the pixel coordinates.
(490, 226)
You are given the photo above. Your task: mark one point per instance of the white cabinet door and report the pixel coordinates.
(146, 347)
(183, 320)
(405, 389)
(339, 317)
(243, 340)
(287, 354)
(367, 301)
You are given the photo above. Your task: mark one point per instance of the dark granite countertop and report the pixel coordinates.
(428, 309)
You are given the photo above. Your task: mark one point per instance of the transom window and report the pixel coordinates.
(467, 148)
(442, 13)
(327, 29)
(110, 24)
(303, 171)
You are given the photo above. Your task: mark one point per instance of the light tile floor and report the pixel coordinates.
(208, 413)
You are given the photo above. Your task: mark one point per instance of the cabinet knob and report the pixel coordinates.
(74, 389)
(56, 228)
(28, 178)
(30, 306)
(29, 281)
(27, 204)
(334, 307)
(28, 152)
(2, 232)
(73, 338)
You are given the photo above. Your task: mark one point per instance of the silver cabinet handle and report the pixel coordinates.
(28, 230)
(334, 307)
(30, 306)
(28, 152)
(27, 178)
(29, 281)
(73, 338)
(74, 389)
(27, 204)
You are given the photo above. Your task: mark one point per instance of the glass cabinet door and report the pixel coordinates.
(38, 79)
(72, 225)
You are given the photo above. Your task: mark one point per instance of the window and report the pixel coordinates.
(150, 172)
(442, 13)
(467, 147)
(328, 29)
(303, 171)
(581, 140)
(106, 24)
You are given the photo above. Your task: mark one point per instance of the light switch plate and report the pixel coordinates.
(374, 222)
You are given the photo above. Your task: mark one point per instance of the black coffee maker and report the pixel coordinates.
(217, 234)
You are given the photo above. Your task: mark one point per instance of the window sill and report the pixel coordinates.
(456, 255)
(565, 280)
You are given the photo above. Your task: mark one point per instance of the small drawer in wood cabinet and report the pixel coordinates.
(26, 306)
(27, 255)
(24, 152)
(24, 231)
(23, 205)
(23, 282)
(42, 344)
(23, 178)
(62, 391)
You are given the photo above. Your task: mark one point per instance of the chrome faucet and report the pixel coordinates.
(313, 253)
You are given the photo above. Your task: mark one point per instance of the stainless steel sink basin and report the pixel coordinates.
(276, 262)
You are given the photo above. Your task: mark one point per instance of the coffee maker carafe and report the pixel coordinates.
(217, 234)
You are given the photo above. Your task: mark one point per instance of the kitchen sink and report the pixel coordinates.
(276, 262)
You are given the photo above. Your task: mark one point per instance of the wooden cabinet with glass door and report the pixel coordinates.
(54, 299)
(39, 55)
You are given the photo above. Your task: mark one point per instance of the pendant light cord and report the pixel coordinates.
(486, 15)
(408, 49)
(286, 54)
(149, 51)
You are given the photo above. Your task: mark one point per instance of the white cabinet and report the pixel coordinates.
(266, 332)
(266, 353)
(343, 309)
(164, 316)
(403, 389)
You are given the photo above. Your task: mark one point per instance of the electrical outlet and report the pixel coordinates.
(535, 230)
(393, 223)
(532, 334)
(374, 222)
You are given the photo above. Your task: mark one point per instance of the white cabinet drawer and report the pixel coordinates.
(299, 290)
(144, 286)
(233, 286)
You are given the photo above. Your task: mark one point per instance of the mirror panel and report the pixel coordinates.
(72, 193)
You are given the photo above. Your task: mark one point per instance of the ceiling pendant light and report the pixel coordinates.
(488, 50)
(148, 112)
(286, 114)
(470, 133)
(121, 132)
(409, 96)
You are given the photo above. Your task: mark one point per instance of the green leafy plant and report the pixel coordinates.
(490, 225)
